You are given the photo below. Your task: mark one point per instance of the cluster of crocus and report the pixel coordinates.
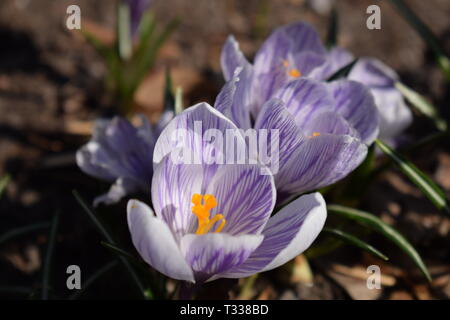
(215, 220)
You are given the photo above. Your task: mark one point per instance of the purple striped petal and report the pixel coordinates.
(273, 52)
(234, 99)
(373, 73)
(231, 58)
(266, 85)
(155, 243)
(304, 37)
(304, 99)
(185, 134)
(288, 233)
(274, 116)
(318, 162)
(336, 59)
(215, 253)
(92, 160)
(307, 61)
(173, 186)
(356, 104)
(395, 116)
(329, 122)
(246, 197)
(293, 39)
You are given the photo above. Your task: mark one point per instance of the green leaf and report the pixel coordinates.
(430, 189)
(120, 252)
(422, 105)
(49, 256)
(125, 44)
(426, 34)
(111, 60)
(3, 183)
(179, 100)
(144, 61)
(343, 72)
(141, 265)
(350, 239)
(100, 272)
(23, 230)
(101, 48)
(376, 224)
(333, 29)
(110, 239)
(146, 29)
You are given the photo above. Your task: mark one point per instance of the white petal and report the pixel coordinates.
(155, 243)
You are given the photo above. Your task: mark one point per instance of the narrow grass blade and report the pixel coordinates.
(333, 29)
(430, 189)
(3, 183)
(179, 100)
(49, 257)
(422, 105)
(93, 218)
(169, 99)
(139, 264)
(110, 239)
(145, 61)
(123, 31)
(350, 239)
(376, 224)
(146, 30)
(100, 272)
(426, 34)
(343, 72)
(261, 25)
(22, 230)
(120, 252)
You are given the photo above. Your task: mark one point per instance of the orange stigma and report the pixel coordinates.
(202, 211)
(294, 72)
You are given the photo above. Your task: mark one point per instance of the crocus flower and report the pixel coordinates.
(214, 220)
(290, 52)
(121, 153)
(295, 51)
(324, 128)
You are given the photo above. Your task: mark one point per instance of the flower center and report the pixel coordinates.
(293, 72)
(314, 134)
(201, 208)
